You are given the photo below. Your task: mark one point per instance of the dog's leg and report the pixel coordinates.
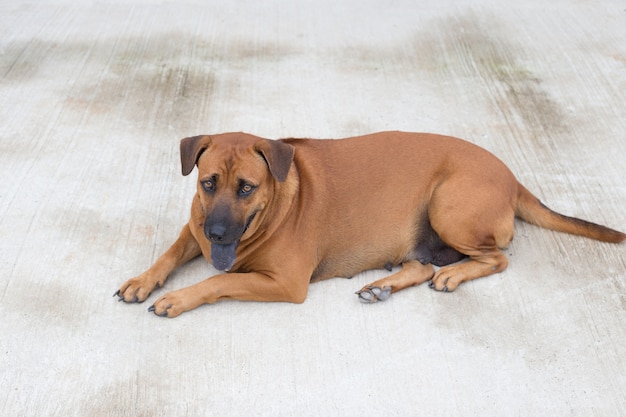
(139, 288)
(412, 273)
(480, 264)
(479, 238)
(250, 286)
(476, 223)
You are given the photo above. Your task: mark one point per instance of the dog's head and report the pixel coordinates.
(237, 176)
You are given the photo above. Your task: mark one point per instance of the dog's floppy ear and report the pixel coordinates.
(190, 150)
(278, 156)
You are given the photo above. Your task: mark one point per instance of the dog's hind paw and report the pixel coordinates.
(371, 295)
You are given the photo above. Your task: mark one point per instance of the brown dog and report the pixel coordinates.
(277, 215)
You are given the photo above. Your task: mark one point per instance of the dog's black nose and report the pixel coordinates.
(217, 232)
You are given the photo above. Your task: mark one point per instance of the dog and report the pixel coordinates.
(275, 215)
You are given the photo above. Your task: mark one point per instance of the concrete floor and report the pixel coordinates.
(94, 97)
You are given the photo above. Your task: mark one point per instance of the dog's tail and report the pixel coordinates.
(531, 210)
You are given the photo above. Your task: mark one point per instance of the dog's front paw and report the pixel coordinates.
(137, 289)
(175, 303)
(373, 294)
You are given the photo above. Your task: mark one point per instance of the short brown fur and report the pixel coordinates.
(326, 208)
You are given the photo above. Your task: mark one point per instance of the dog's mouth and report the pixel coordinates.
(245, 229)
(223, 256)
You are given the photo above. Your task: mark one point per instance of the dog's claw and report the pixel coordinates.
(120, 296)
(366, 296)
(431, 284)
(152, 309)
(373, 294)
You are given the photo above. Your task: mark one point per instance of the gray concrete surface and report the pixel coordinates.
(93, 99)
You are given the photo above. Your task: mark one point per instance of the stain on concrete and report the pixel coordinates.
(55, 303)
(179, 72)
(471, 47)
(516, 92)
(170, 76)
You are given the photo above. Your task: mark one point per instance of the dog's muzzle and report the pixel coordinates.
(224, 242)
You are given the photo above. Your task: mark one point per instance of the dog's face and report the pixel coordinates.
(237, 176)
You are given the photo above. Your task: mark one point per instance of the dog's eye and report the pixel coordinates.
(208, 185)
(246, 189)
